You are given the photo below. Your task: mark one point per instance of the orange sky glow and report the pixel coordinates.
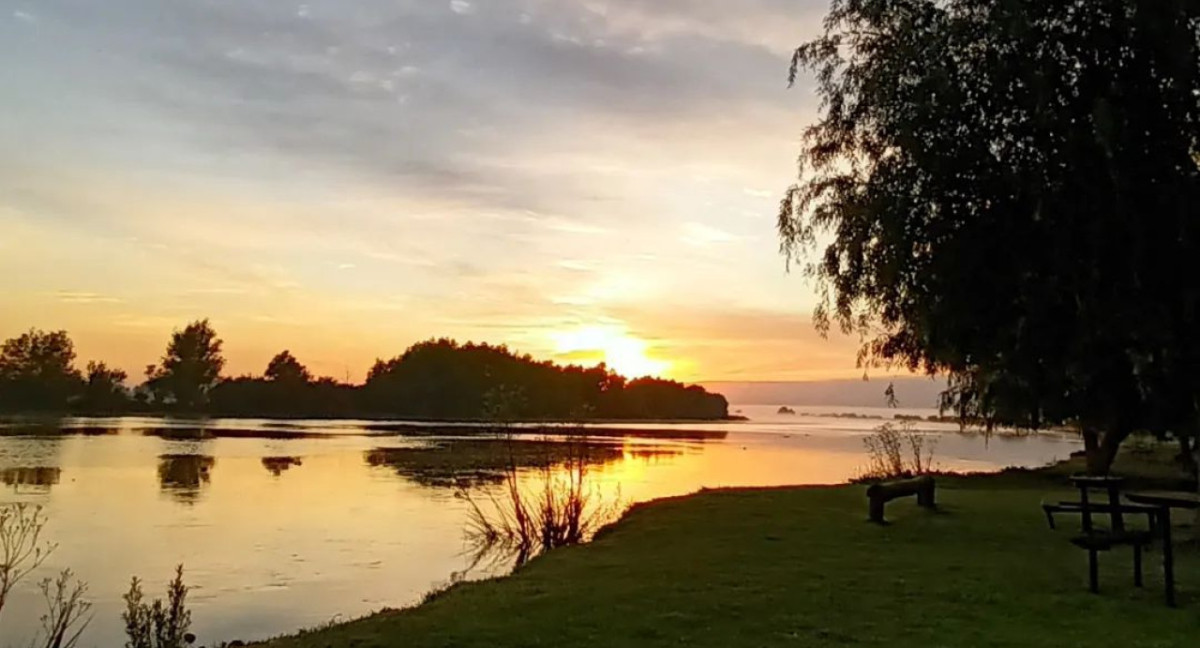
(583, 181)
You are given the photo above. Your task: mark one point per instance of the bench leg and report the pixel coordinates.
(877, 510)
(1137, 565)
(925, 498)
(1168, 554)
(1093, 572)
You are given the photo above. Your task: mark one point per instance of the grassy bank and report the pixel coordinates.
(802, 567)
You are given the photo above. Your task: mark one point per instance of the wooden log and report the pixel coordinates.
(881, 493)
(887, 491)
(925, 494)
(876, 512)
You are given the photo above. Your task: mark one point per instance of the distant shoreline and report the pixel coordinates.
(36, 418)
(277, 428)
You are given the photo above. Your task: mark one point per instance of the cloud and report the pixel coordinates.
(70, 297)
(703, 235)
(341, 93)
(489, 169)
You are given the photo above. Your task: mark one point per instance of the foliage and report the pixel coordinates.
(36, 372)
(1009, 188)
(442, 379)
(446, 380)
(67, 612)
(247, 396)
(286, 389)
(190, 368)
(898, 451)
(158, 624)
(285, 368)
(437, 380)
(560, 508)
(21, 546)
(104, 389)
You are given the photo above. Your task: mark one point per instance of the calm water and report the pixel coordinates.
(283, 525)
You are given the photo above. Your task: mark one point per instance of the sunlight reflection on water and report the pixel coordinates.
(283, 525)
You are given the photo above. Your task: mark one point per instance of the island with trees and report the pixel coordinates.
(435, 380)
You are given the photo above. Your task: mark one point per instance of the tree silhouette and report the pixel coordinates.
(37, 372)
(104, 389)
(190, 368)
(443, 379)
(436, 380)
(285, 368)
(1009, 188)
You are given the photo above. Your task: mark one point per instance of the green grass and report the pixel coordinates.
(1146, 464)
(802, 567)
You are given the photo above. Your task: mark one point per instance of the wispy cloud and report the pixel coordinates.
(496, 170)
(72, 297)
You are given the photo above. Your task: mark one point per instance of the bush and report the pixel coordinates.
(896, 451)
(562, 508)
(158, 625)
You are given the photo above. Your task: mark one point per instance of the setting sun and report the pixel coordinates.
(613, 346)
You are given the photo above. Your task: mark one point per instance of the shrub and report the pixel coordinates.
(158, 625)
(21, 548)
(67, 613)
(561, 508)
(898, 451)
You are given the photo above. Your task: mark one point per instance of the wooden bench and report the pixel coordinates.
(884, 492)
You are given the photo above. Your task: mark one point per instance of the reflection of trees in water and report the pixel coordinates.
(29, 459)
(277, 465)
(39, 477)
(184, 475)
(453, 463)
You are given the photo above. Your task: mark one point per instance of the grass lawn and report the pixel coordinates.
(802, 567)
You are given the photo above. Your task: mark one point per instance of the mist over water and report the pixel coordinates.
(288, 524)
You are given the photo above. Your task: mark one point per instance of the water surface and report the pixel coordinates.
(289, 524)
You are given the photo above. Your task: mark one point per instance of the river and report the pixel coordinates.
(289, 524)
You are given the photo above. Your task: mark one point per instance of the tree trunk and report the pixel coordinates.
(1189, 452)
(1196, 474)
(1101, 450)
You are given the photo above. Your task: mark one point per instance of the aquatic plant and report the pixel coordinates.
(555, 505)
(21, 546)
(67, 612)
(158, 624)
(898, 451)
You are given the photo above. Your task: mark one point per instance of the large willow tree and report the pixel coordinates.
(1007, 192)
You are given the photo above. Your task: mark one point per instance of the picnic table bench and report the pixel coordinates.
(1156, 505)
(1165, 501)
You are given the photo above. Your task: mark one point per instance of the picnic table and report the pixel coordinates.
(1111, 485)
(1165, 501)
(1096, 539)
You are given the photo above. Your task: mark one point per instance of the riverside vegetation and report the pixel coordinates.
(433, 380)
(67, 612)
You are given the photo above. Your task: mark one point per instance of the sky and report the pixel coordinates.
(579, 179)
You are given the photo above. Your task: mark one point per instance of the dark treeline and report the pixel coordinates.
(435, 380)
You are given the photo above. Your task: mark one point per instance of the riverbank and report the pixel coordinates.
(801, 566)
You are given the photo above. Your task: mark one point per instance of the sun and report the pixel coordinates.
(621, 352)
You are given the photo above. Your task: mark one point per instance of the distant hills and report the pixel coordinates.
(916, 392)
